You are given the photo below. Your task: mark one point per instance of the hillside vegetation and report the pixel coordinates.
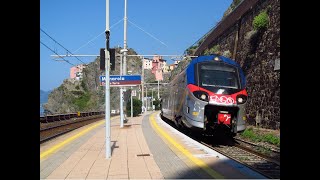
(87, 94)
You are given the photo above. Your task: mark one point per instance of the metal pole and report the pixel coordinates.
(146, 99)
(121, 107)
(152, 99)
(125, 39)
(121, 97)
(107, 90)
(131, 104)
(158, 91)
(121, 58)
(124, 71)
(139, 92)
(142, 85)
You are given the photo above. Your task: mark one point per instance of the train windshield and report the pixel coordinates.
(218, 75)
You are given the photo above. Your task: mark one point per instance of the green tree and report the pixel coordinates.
(82, 101)
(156, 104)
(137, 104)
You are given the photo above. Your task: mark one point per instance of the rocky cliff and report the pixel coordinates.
(86, 94)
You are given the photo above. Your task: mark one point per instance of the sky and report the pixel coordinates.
(163, 27)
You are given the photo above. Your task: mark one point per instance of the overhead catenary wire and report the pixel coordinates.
(56, 53)
(97, 36)
(147, 33)
(60, 44)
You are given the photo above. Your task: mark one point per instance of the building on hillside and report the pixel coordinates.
(176, 62)
(171, 67)
(147, 63)
(76, 71)
(158, 65)
(166, 69)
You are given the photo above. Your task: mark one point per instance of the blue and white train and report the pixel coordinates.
(209, 93)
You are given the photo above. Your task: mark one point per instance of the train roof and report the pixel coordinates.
(211, 58)
(190, 68)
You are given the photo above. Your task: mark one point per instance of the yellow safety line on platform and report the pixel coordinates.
(60, 145)
(197, 161)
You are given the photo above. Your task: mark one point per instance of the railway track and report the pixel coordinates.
(51, 130)
(266, 166)
(270, 153)
(244, 152)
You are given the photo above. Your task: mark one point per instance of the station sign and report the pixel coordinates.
(124, 80)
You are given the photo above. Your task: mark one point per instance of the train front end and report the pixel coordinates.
(216, 95)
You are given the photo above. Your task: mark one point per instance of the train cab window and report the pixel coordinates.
(218, 75)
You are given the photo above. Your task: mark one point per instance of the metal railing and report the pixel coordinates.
(61, 117)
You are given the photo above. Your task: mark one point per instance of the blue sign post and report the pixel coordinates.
(125, 80)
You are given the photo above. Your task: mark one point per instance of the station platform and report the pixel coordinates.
(145, 148)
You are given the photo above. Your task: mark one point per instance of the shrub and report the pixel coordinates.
(191, 50)
(77, 93)
(206, 52)
(82, 101)
(235, 3)
(227, 54)
(261, 21)
(255, 136)
(213, 50)
(83, 85)
(156, 104)
(136, 107)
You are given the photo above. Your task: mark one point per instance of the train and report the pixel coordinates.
(209, 94)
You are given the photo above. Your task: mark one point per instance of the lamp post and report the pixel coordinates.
(125, 39)
(107, 86)
(125, 50)
(142, 85)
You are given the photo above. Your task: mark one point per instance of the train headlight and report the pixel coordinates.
(216, 58)
(241, 99)
(201, 95)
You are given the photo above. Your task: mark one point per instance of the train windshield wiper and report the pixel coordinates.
(219, 86)
(213, 85)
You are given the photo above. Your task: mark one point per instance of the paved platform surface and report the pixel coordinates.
(84, 158)
(145, 148)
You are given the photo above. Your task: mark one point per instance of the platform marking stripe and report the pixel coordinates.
(60, 145)
(197, 161)
(234, 164)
